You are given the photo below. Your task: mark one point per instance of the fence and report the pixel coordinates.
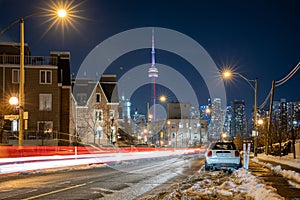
(28, 60)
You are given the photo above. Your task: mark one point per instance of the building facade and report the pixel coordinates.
(96, 110)
(47, 96)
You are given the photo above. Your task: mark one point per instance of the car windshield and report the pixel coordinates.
(223, 146)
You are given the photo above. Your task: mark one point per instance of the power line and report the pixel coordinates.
(280, 82)
(287, 77)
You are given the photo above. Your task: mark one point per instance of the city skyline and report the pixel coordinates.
(258, 39)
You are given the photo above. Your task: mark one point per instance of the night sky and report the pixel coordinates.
(259, 39)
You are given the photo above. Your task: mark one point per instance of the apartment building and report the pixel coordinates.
(47, 96)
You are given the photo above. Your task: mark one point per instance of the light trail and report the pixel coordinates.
(30, 164)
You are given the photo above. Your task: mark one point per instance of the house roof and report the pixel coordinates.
(109, 86)
(13, 48)
(84, 87)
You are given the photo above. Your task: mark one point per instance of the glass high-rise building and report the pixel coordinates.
(238, 120)
(216, 120)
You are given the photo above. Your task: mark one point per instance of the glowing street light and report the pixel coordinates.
(224, 135)
(14, 101)
(260, 122)
(61, 13)
(207, 111)
(163, 98)
(226, 74)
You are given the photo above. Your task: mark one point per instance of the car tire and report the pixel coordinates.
(206, 167)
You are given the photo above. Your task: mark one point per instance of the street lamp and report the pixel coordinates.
(226, 74)
(61, 13)
(14, 101)
(260, 122)
(163, 98)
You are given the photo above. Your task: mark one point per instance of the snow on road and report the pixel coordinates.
(240, 184)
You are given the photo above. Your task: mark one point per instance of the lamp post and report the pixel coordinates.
(21, 86)
(228, 74)
(61, 13)
(260, 122)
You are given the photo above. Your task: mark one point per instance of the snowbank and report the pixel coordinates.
(241, 184)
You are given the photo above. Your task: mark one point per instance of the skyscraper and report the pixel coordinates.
(238, 120)
(217, 119)
(153, 74)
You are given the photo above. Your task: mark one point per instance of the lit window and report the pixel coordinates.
(111, 114)
(98, 132)
(45, 126)
(46, 102)
(15, 76)
(98, 115)
(45, 77)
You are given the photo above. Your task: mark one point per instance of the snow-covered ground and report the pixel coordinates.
(241, 184)
(292, 176)
(287, 160)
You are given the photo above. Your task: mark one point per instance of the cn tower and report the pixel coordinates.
(153, 74)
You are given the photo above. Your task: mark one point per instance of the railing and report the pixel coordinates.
(32, 135)
(28, 60)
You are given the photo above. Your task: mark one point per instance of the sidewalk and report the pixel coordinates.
(268, 170)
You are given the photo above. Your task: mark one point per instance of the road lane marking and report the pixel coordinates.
(55, 191)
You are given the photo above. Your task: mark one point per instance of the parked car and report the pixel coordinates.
(283, 151)
(222, 155)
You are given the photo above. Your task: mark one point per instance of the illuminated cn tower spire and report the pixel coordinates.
(153, 73)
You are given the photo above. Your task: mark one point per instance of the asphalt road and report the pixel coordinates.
(126, 180)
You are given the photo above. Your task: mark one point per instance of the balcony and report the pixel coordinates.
(28, 60)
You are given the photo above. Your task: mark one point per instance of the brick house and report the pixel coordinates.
(96, 110)
(47, 96)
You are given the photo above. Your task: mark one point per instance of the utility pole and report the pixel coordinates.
(268, 132)
(255, 117)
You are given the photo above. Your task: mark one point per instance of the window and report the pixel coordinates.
(81, 97)
(45, 126)
(180, 125)
(46, 102)
(111, 114)
(98, 115)
(98, 98)
(98, 132)
(45, 77)
(14, 125)
(15, 76)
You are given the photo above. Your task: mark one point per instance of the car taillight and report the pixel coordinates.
(237, 153)
(209, 154)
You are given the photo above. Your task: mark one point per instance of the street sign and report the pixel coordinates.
(11, 117)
